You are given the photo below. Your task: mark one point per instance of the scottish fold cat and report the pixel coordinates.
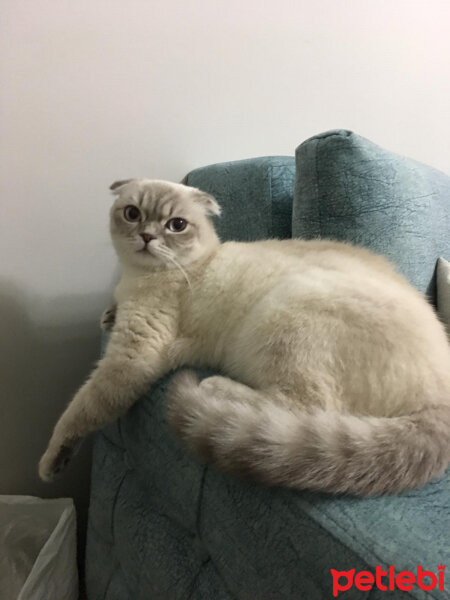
(334, 371)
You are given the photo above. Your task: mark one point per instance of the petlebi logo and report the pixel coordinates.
(388, 580)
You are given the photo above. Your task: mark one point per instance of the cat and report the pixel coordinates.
(335, 371)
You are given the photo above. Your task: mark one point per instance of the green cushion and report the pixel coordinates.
(348, 188)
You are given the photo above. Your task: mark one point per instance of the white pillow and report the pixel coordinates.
(443, 291)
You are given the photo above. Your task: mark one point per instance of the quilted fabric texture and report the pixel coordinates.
(255, 196)
(349, 189)
(164, 527)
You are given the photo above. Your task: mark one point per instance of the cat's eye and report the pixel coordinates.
(132, 213)
(176, 224)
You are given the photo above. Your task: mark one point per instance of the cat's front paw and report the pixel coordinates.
(54, 461)
(108, 318)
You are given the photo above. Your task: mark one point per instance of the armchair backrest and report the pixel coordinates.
(256, 196)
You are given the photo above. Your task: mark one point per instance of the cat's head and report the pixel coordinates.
(156, 224)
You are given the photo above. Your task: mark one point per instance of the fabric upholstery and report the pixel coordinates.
(255, 196)
(349, 189)
(164, 527)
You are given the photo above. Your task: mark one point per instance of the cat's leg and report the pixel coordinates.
(181, 352)
(224, 389)
(111, 389)
(203, 412)
(108, 318)
(136, 356)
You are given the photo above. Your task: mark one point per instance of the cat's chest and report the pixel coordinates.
(149, 296)
(219, 301)
(130, 294)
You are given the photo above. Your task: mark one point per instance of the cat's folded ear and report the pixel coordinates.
(208, 202)
(114, 187)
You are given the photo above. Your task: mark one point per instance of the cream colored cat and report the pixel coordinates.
(343, 368)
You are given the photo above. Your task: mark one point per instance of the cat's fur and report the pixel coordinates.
(343, 368)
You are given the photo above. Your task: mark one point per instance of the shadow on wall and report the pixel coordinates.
(41, 367)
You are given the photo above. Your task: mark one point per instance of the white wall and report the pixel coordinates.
(97, 90)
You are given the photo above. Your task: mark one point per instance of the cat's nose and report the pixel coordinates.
(147, 237)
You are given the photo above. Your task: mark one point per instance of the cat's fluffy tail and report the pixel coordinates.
(316, 450)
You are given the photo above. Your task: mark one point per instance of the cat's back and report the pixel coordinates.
(320, 275)
(308, 302)
(272, 274)
(263, 263)
(277, 280)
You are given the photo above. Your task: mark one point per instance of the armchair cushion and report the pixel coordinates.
(255, 196)
(348, 188)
